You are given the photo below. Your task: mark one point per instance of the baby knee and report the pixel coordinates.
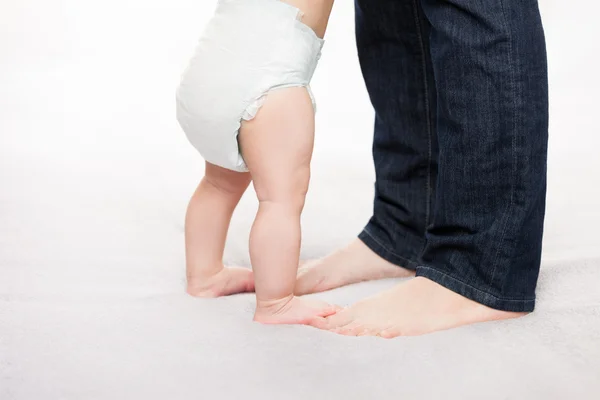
(291, 201)
(286, 189)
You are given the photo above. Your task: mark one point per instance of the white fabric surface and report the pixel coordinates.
(94, 180)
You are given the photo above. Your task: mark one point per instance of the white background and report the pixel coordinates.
(95, 175)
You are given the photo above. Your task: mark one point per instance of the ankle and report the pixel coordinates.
(272, 305)
(203, 277)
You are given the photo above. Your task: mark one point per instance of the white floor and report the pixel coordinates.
(94, 179)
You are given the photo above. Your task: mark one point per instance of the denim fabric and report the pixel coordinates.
(460, 92)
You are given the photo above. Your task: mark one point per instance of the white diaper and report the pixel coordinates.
(249, 48)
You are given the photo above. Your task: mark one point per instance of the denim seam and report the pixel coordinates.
(372, 236)
(428, 113)
(514, 144)
(474, 288)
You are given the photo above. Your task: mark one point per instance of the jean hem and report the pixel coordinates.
(477, 295)
(375, 245)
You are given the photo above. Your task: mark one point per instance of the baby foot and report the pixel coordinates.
(229, 280)
(293, 310)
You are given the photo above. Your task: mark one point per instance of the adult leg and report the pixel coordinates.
(486, 235)
(483, 250)
(393, 48)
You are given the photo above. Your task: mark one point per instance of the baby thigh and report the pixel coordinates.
(277, 146)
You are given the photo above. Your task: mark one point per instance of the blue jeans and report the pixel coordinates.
(460, 92)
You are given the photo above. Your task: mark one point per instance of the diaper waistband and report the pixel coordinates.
(281, 9)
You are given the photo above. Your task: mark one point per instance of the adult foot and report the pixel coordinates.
(229, 280)
(415, 307)
(352, 264)
(293, 310)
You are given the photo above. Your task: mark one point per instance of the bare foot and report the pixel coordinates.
(415, 307)
(230, 280)
(352, 264)
(293, 310)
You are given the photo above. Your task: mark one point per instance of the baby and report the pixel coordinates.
(245, 104)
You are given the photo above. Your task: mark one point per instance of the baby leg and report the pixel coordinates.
(277, 147)
(206, 223)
